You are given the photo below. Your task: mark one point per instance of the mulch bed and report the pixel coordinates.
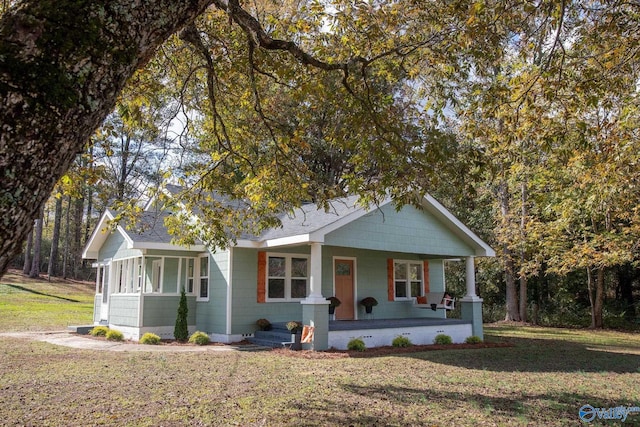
(385, 351)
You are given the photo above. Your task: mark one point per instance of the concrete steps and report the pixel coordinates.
(279, 336)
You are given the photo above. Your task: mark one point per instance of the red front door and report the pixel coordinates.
(344, 276)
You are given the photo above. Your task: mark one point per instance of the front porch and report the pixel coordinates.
(381, 332)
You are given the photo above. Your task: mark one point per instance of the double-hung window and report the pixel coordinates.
(287, 277)
(407, 278)
(203, 291)
(190, 275)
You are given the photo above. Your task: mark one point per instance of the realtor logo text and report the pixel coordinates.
(588, 413)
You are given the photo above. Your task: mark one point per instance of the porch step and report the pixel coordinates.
(81, 329)
(275, 338)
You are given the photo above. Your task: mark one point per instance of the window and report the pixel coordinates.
(287, 277)
(190, 270)
(407, 279)
(204, 277)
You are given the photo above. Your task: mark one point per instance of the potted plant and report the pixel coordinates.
(333, 303)
(263, 324)
(295, 328)
(369, 303)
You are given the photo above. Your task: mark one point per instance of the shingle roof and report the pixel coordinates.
(309, 218)
(149, 227)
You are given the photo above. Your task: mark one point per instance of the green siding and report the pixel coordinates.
(162, 310)
(212, 314)
(371, 281)
(116, 247)
(246, 309)
(410, 231)
(123, 309)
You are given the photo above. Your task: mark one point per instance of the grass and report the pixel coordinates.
(543, 379)
(36, 304)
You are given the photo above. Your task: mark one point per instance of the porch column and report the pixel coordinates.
(315, 310)
(470, 277)
(471, 304)
(315, 274)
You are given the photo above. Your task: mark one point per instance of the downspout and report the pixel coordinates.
(229, 290)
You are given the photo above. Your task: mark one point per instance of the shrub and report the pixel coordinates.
(473, 339)
(150, 338)
(442, 339)
(401, 341)
(181, 330)
(114, 335)
(356, 344)
(199, 338)
(263, 324)
(99, 331)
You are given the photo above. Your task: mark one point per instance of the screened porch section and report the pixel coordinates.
(153, 274)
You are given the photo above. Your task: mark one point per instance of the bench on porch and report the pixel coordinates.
(435, 300)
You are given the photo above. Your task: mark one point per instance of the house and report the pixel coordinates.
(395, 256)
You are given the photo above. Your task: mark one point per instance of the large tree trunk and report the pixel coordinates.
(67, 239)
(62, 65)
(523, 252)
(598, 303)
(55, 240)
(513, 312)
(77, 236)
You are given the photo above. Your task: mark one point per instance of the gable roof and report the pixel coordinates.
(307, 224)
(310, 224)
(149, 232)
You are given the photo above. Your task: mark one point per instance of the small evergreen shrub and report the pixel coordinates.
(473, 339)
(199, 338)
(442, 339)
(99, 331)
(150, 338)
(114, 335)
(401, 341)
(181, 330)
(356, 344)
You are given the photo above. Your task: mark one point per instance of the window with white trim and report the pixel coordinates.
(287, 277)
(203, 290)
(407, 279)
(190, 275)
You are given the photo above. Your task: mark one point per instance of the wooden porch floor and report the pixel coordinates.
(351, 325)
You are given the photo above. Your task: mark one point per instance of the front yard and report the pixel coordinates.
(543, 379)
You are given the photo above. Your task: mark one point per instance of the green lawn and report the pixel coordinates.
(543, 379)
(28, 304)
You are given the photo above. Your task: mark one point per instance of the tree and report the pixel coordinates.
(37, 245)
(181, 329)
(62, 67)
(55, 238)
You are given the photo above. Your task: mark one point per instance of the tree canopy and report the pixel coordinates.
(530, 107)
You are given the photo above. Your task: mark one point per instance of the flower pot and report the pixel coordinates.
(296, 338)
(332, 309)
(368, 309)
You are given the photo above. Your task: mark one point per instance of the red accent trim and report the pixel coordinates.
(390, 288)
(262, 276)
(425, 276)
